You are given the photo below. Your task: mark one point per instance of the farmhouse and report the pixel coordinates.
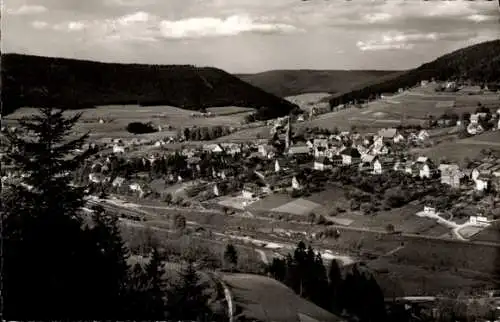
(118, 148)
(295, 184)
(423, 166)
(250, 190)
(96, 177)
(482, 182)
(474, 128)
(322, 163)
(214, 148)
(299, 150)
(450, 174)
(118, 182)
(388, 134)
(350, 156)
(423, 135)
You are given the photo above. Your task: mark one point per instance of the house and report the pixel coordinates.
(450, 174)
(214, 148)
(299, 150)
(118, 148)
(474, 129)
(429, 210)
(399, 165)
(423, 135)
(350, 156)
(366, 163)
(482, 182)
(322, 163)
(423, 166)
(277, 166)
(478, 220)
(250, 190)
(216, 190)
(398, 138)
(388, 134)
(136, 187)
(118, 182)
(96, 177)
(474, 118)
(484, 170)
(295, 184)
(320, 151)
(424, 83)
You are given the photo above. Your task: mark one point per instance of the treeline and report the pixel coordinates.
(61, 265)
(354, 293)
(478, 63)
(43, 81)
(205, 133)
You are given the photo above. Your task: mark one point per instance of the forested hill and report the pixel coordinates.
(34, 81)
(479, 63)
(285, 83)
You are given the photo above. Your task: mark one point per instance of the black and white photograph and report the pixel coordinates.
(250, 160)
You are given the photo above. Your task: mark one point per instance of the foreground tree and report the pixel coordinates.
(188, 299)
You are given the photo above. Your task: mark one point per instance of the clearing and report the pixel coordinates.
(265, 299)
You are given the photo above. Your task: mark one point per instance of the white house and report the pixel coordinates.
(118, 182)
(135, 187)
(216, 190)
(295, 184)
(429, 210)
(96, 177)
(277, 166)
(321, 164)
(474, 129)
(474, 118)
(423, 135)
(482, 182)
(377, 166)
(479, 220)
(118, 148)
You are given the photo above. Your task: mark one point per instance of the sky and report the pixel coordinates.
(248, 36)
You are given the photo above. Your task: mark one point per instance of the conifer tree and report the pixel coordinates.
(42, 225)
(187, 299)
(334, 285)
(231, 256)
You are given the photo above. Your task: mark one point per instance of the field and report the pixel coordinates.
(265, 299)
(116, 118)
(412, 106)
(306, 101)
(408, 280)
(403, 219)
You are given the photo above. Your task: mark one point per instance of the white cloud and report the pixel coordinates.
(480, 18)
(398, 40)
(39, 24)
(213, 27)
(138, 17)
(377, 17)
(128, 3)
(27, 10)
(70, 26)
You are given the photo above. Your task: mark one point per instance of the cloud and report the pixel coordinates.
(143, 26)
(39, 24)
(402, 41)
(27, 10)
(213, 27)
(70, 26)
(128, 3)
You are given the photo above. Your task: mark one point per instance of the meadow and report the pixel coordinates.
(169, 118)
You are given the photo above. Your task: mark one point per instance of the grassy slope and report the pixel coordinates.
(294, 82)
(266, 299)
(32, 81)
(479, 63)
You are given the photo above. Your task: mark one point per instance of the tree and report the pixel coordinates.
(42, 225)
(179, 222)
(389, 228)
(231, 256)
(311, 218)
(334, 284)
(187, 299)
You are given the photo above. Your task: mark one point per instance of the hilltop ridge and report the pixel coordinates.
(35, 81)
